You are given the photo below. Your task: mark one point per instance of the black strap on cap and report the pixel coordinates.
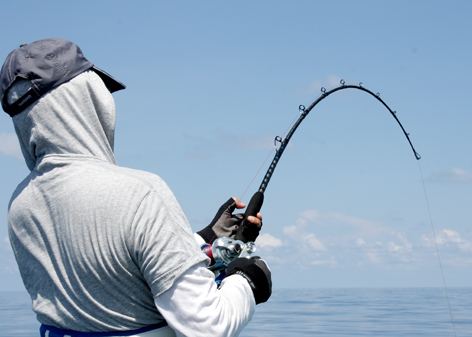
(21, 103)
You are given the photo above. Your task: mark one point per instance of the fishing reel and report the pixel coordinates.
(223, 251)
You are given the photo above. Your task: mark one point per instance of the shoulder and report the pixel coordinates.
(129, 178)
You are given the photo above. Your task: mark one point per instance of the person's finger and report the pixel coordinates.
(254, 220)
(239, 204)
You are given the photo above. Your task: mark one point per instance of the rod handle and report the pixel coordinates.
(246, 231)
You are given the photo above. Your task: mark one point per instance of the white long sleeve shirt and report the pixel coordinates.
(194, 306)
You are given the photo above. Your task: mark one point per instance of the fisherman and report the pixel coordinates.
(102, 248)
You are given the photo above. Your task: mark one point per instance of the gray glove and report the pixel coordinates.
(224, 224)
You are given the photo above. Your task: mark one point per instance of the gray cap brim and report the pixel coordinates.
(111, 83)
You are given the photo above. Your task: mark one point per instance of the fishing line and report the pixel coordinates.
(274, 148)
(241, 197)
(437, 248)
(255, 176)
(277, 139)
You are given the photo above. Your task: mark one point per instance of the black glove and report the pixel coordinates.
(224, 223)
(257, 273)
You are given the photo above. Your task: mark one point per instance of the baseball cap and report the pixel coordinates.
(47, 64)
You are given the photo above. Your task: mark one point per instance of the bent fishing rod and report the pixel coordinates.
(241, 247)
(224, 249)
(258, 198)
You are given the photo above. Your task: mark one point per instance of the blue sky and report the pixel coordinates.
(211, 84)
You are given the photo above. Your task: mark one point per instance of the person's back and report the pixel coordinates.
(102, 248)
(91, 220)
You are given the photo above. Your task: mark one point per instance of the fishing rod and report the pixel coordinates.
(258, 198)
(224, 250)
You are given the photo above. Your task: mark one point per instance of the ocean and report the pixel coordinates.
(322, 312)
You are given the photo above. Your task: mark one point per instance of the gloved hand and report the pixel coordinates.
(257, 273)
(226, 224)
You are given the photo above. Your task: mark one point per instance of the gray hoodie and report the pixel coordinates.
(94, 242)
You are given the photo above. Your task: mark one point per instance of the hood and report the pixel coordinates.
(76, 118)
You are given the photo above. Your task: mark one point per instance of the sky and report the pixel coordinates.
(211, 84)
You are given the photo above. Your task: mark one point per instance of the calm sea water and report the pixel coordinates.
(321, 312)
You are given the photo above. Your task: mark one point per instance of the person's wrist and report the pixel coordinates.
(207, 234)
(257, 274)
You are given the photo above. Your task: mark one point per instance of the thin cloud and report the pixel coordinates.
(268, 241)
(306, 240)
(374, 258)
(407, 245)
(9, 145)
(366, 228)
(311, 241)
(331, 81)
(453, 237)
(329, 262)
(362, 224)
(454, 175)
(363, 246)
(265, 142)
(205, 147)
(447, 238)
(8, 264)
(311, 214)
(6, 244)
(371, 243)
(392, 247)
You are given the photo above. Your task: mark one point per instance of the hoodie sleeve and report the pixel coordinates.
(194, 306)
(184, 290)
(161, 241)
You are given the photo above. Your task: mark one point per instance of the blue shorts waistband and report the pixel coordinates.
(56, 332)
